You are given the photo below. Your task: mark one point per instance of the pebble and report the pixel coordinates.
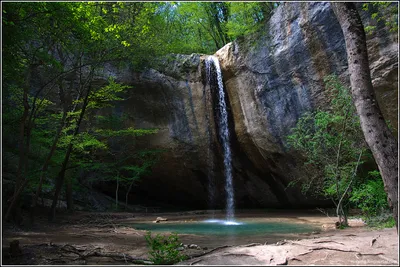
(194, 246)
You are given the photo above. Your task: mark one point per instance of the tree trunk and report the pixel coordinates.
(127, 193)
(45, 167)
(116, 193)
(68, 195)
(61, 175)
(340, 203)
(376, 132)
(50, 155)
(59, 183)
(14, 207)
(339, 210)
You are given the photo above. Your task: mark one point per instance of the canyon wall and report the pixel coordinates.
(271, 78)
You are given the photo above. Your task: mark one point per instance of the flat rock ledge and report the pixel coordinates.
(344, 247)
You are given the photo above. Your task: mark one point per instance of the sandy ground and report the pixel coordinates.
(106, 238)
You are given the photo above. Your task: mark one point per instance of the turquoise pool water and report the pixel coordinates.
(223, 228)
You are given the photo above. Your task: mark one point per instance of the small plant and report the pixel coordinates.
(383, 220)
(164, 249)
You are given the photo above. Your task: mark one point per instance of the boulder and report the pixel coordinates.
(160, 219)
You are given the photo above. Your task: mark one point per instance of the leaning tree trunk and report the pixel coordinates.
(46, 164)
(45, 167)
(376, 132)
(61, 175)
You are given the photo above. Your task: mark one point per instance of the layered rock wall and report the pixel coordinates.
(271, 79)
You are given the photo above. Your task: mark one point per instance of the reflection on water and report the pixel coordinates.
(224, 222)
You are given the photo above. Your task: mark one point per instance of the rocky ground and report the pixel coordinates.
(106, 238)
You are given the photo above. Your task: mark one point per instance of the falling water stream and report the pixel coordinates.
(224, 135)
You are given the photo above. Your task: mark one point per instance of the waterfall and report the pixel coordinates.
(224, 135)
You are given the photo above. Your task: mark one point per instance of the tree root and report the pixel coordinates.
(285, 262)
(328, 241)
(237, 254)
(252, 245)
(341, 250)
(294, 259)
(83, 254)
(370, 254)
(118, 257)
(388, 259)
(196, 261)
(335, 249)
(208, 252)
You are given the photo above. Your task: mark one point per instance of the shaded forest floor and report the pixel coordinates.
(106, 238)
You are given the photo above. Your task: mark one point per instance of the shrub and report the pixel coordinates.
(164, 249)
(370, 196)
(383, 220)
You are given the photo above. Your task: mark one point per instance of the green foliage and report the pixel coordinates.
(203, 27)
(370, 196)
(331, 140)
(164, 248)
(390, 222)
(125, 132)
(50, 38)
(105, 96)
(248, 17)
(386, 12)
(139, 31)
(382, 220)
(53, 50)
(121, 162)
(85, 143)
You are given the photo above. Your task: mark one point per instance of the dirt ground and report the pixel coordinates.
(105, 238)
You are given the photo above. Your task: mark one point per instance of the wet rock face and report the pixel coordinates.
(271, 78)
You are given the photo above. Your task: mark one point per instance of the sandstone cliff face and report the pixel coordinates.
(171, 101)
(271, 79)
